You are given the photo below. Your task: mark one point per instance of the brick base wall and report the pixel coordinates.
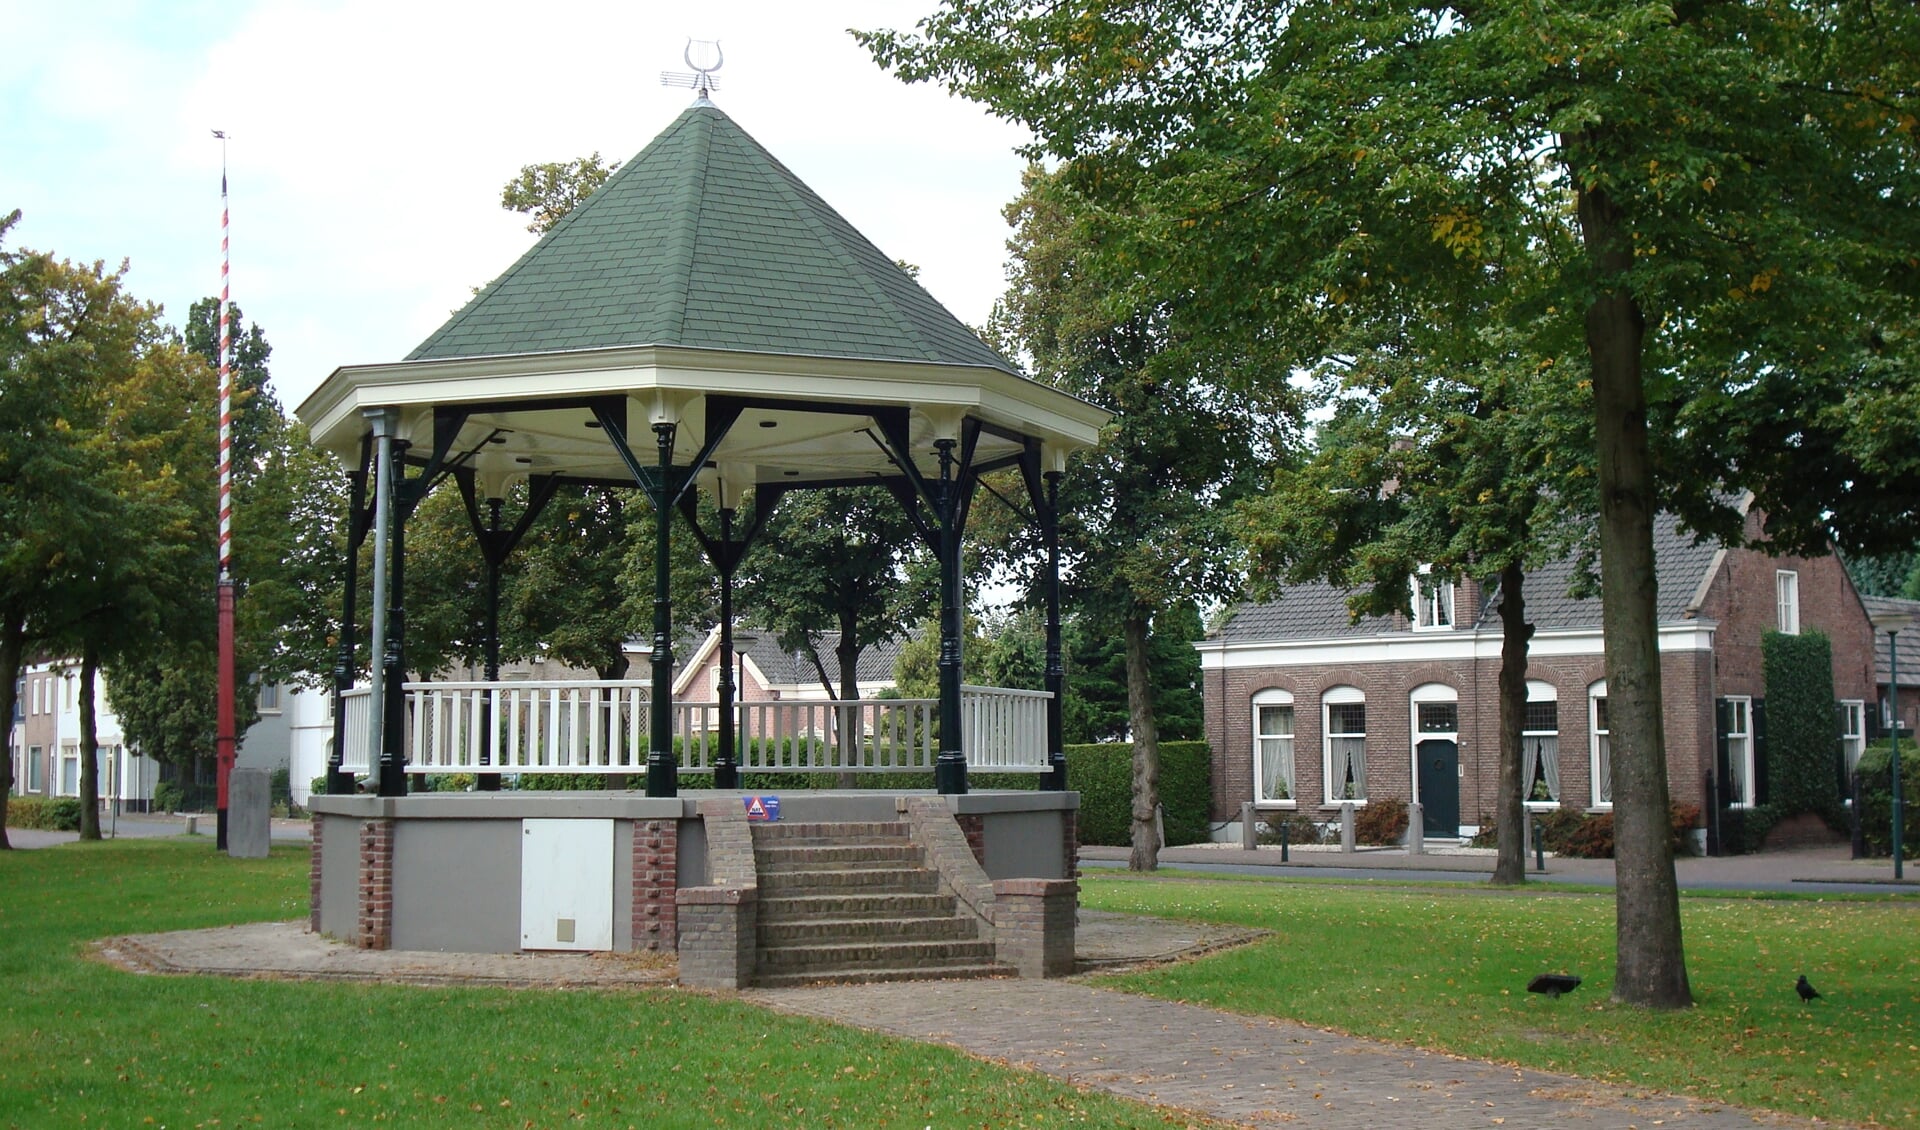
(313, 875)
(375, 927)
(1033, 923)
(656, 876)
(975, 829)
(718, 926)
(1070, 842)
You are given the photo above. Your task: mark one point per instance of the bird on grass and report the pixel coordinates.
(1807, 991)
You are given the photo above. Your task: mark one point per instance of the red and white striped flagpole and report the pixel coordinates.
(223, 742)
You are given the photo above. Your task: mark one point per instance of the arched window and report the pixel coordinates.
(1273, 747)
(1344, 753)
(1602, 759)
(1540, 745)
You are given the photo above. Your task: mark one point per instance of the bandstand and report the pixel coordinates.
(702, 323)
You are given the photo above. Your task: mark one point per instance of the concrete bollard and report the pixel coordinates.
(1249, 831)
(193, 825)
(1416, 830)
(1346, 828)
(248, 799)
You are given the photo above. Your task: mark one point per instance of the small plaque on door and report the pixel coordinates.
(563, 930)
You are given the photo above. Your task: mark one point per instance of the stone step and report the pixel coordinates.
(820, 857)
(900, 879)
(877, 975)
(855, 931)
(852, 832)
(864, 955)
(852, 904)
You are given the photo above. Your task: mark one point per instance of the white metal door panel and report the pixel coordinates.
(566, 884)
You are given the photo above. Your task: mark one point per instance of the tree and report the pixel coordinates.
(1142, 526)
(1725, 193)
(550, 191)
(838, 560)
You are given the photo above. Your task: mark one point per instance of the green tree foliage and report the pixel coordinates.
(1143, 529)
(550, 191)
(1886, 574)
(1096, 700)
(1722, 194)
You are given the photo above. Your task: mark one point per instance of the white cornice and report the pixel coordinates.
(1431, 647)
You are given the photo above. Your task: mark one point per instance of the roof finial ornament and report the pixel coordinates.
(703, 61)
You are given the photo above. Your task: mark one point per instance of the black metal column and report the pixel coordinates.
(662, 767)
(726, 766)
(339, 781)
(1055, 778)
(393, 759)
(950, 768)
(490, 782)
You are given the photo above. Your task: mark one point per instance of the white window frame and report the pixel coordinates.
(36, 770)
(269, 698)
(69, 755)
(1853, 731)
(1598, 737)
(1740, 758)
(1538, 691)
(1274, 745)
(1440, 616)
(1786, 591)
(1341, 696)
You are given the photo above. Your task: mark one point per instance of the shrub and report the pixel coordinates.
(1298, 827)
(1876, 797)
(1578, 835)
(1103, 776)
(1381, 822)
(168, 796)
(46, 814)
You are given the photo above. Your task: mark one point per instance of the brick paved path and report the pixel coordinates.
(1238, 1069)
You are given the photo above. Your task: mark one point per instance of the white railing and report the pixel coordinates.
(584, 726)
(354, 704)
(1003, 731)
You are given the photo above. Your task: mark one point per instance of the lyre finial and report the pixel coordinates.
(707, 59)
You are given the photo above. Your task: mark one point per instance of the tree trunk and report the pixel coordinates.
(12, 647)
(847, 652)
(1510, 814)
(1146, 747)
(89, 742)
(1650, 965)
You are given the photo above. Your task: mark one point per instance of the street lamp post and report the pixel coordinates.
(1893, 623)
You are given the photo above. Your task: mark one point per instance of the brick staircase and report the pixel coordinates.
(856, 902)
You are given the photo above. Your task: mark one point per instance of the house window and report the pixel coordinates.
(1540, 745)
(69, 771)
(1602, 745)
(1432, 601)
(19, 700)
(1736, 720)
(269, 698)
(1853, 732)
(36, 770)
(1273, 747)
(1346, 745)
(1787, 594)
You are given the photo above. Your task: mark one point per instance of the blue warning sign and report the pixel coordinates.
(762, 807)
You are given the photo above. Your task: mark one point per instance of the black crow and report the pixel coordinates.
(1807, 992)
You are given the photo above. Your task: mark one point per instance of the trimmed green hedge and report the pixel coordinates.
(47, 814)
(1802, 739)
(1876, 796)
(1103, 776)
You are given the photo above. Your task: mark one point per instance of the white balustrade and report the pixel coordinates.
(598, 726)
(1002, 730)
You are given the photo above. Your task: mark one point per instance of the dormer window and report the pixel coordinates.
(1432, 601)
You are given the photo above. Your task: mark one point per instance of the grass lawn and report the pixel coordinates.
(85, 1045)
(1447, 968)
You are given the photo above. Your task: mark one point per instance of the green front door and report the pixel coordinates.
(1440, 787)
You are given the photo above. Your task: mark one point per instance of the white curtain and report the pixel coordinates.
(1276, 753)
(1543, 761)
(1603, 788)
(1349, 758)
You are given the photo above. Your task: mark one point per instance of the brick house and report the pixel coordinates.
(1305, 709)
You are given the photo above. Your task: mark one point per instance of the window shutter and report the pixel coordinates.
(1722, 768)
(1840, 748)
(1759, 740)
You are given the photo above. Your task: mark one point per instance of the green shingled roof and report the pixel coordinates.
(705, 241)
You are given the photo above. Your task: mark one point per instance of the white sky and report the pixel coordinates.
(370, 139)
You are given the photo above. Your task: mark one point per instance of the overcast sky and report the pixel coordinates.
(370, 139)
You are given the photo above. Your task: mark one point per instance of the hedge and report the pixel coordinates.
(1103, 776)
(1802, 742)
(1876, 797)
(47, 814)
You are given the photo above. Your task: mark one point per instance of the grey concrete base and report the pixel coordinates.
(249, 805)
